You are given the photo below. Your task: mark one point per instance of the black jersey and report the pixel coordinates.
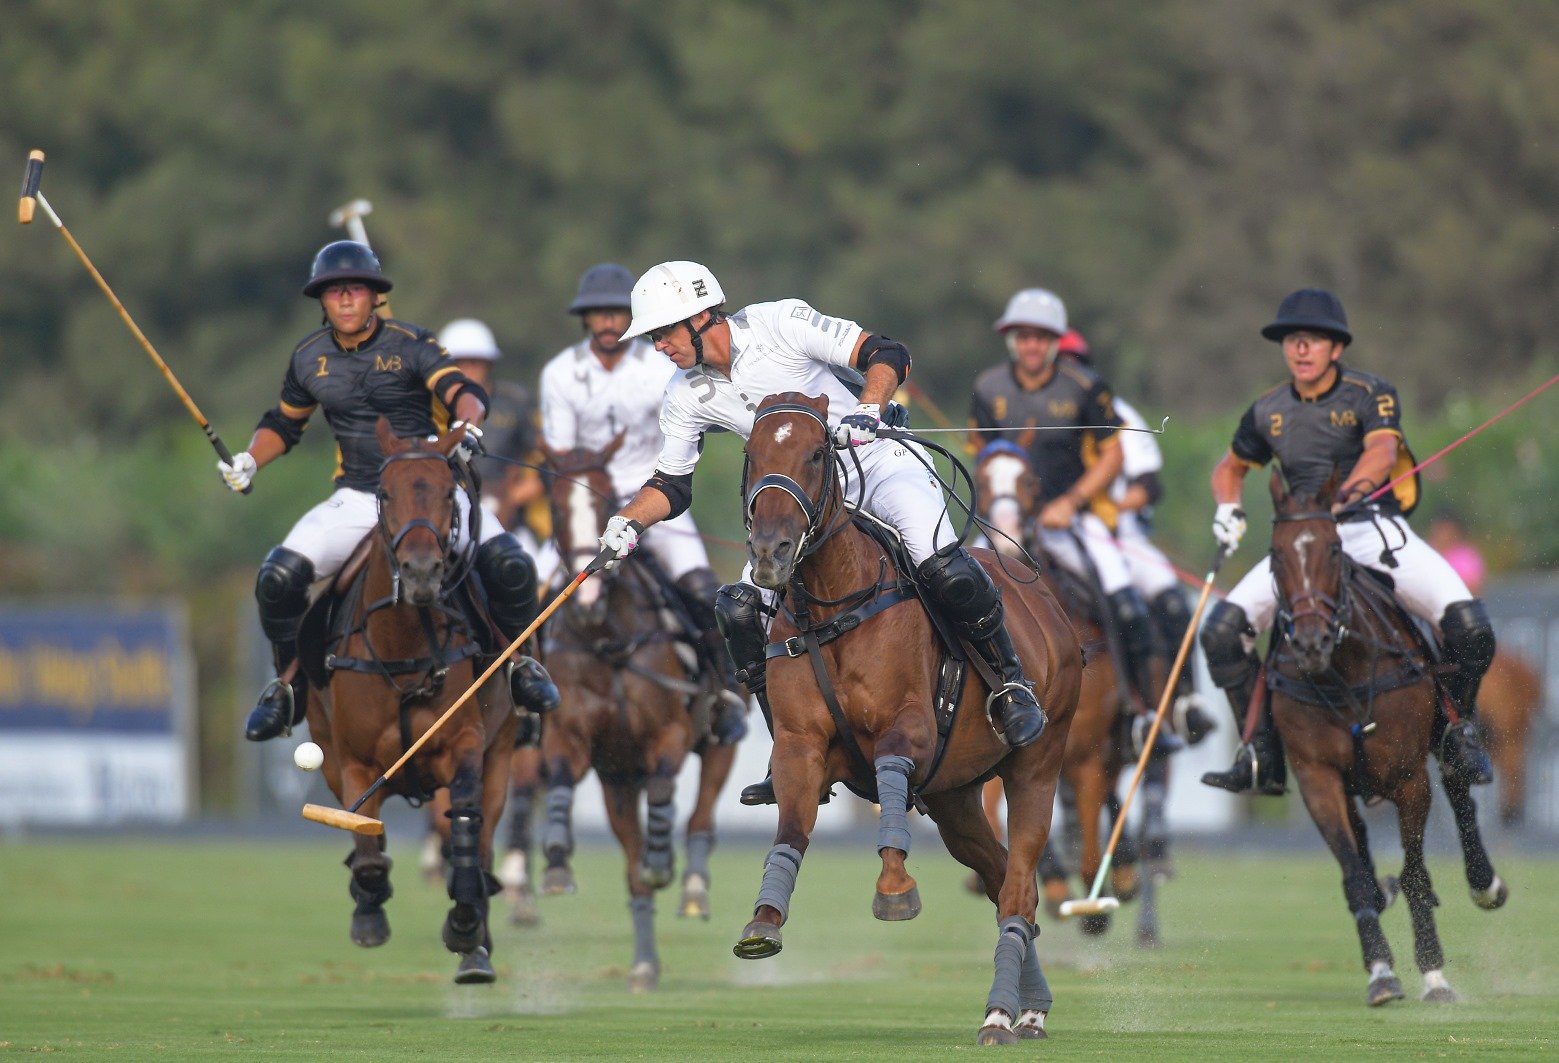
(508, 430)
(1311, 437)
(1074, 396)
(400, 372)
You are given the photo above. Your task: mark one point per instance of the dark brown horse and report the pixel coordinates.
(633, 707)
(405, 654)
(1007, 495)
(882, 713)
(1355, 699)
(1508, 700)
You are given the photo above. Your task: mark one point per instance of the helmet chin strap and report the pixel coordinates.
(698, 335)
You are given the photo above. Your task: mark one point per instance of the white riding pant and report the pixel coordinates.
(328, 533)
(1103, 551)
(1151, 572)
(676, 545)
(901, 491)
(1426, 582)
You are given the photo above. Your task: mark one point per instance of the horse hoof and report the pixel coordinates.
(656, 878)
(1384, 990)
(975, 884)
(370, 929)
(695, 904)
(1492, 897)
(475, 969)
(997, 1035)
(522, 907)
(1149, 939)
(1441, 994)
(897, 908)
(557, 880)
(759, 941)
(1094, 925)
(1031, 1025)
(1389, 888)
(644, 978)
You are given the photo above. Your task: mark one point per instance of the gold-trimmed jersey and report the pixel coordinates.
(1075, 407)
(400, 372)
(1311, 437)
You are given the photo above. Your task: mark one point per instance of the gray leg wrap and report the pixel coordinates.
(1013, 941)
(779, 880)
(699, 845)
(519, 820)
(658, 854)
(1033, 990)
(893, 796)
(643, 911)
(559, 835)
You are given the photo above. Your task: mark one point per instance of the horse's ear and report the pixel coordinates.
(614, 445)
(388, 443)
(1279, 489)
(446, 443)
(1329, 488)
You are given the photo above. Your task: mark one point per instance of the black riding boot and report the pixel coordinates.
(966, 594)
(698, 589)
(739, 613)
(282, 590)
(1131, 620)
(509, 577)
(1172, 617)
(1468, 638)
(1258, 766)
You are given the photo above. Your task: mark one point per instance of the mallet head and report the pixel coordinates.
(350, 217)
(30, 181)
(1095, 906)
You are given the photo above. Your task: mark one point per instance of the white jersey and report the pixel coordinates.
(1139, 450)
(583, 404)
(775, 347)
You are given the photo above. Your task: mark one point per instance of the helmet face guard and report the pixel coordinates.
(345, 260)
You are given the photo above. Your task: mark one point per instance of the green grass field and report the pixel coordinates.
(138, 950)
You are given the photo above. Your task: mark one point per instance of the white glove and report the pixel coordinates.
(859, 428)
(621, 536)
(1229, 526)
(240, 474)
(470, 446)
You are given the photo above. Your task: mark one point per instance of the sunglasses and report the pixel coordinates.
(658, 334)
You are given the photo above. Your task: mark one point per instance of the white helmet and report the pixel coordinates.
(671, 292)
(1036, 308)
(467, 337)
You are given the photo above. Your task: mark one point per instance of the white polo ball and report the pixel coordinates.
(308, 756)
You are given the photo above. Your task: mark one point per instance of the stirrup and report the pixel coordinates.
(278, 704)
(1244, 776)
(1463, 757)
(1011, 692)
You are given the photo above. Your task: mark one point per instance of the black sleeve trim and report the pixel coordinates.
(677, 489)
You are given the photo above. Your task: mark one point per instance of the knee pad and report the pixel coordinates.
(958, 583)
(1469, 635)
(739, 612)
(509, 577)
(1173, 616)
(1223, 641)
(698, 589)
(282, 589)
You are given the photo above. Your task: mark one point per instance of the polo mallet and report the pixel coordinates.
(349, 216)
(350, 819)
(1094, 904)
(32, 194)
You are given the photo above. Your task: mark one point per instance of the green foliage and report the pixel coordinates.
(240, 948)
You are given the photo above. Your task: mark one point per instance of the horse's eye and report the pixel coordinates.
(817, 455)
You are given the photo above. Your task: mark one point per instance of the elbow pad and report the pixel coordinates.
(880, 350)
(467, 387)
(677, 489)
(290, 431)
(1149, 482)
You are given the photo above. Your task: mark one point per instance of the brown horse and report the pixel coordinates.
(405, 653)
(1508, 700)
(633, 706)
(1006, 493)
(1355, 700)
(845, 710)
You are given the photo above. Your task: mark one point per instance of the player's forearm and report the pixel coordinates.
(647, 507)
(1229, 479)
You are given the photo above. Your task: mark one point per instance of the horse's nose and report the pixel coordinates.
(420, 576)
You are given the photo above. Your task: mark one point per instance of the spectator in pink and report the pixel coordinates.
(1448, 535)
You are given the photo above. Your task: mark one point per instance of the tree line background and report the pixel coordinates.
(1172, 170)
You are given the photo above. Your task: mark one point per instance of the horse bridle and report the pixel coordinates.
(815, 511)
(393, 540)
(1334, 611)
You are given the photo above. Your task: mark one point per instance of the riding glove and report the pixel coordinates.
(470, 446)
(622, 536)
(1229, 526)
(240, 473)
(859, 428)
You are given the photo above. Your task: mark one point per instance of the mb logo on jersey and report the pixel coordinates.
(391, 364)
(1344, 418)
